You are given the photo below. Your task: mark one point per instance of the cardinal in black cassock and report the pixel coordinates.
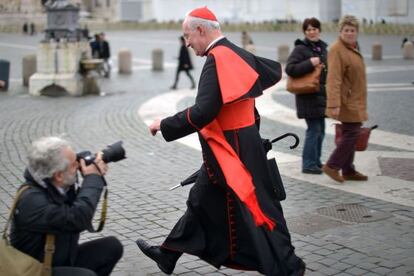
(233, 218)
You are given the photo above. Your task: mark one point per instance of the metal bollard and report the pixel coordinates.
(377, 51)
(157, 60)
(408, 50)
(283, 53)
(28, 68)
(124, 61)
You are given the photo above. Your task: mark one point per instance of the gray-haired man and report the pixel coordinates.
(55, 204)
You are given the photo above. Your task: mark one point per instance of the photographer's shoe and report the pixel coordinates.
(165, 259)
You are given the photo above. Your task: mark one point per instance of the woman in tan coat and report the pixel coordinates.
(346, 99)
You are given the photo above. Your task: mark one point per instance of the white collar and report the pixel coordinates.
(213, 42)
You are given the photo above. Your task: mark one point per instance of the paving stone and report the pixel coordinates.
(367, 266)
(328, 262)
(382, 270)
(328, 271)
(355, 271)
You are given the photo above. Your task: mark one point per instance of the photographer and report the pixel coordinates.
(56, 204)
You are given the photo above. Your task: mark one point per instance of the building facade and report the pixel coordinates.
(381, 11)
(374, 11)
(230, 10)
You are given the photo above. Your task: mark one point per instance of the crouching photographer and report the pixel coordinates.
(55, 204)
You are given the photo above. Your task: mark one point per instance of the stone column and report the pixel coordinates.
(283, 53)
(28, 68)
(377, 51)
(125, 61)
(408, 50)
(157, 60)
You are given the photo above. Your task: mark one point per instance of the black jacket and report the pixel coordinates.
(105, 51)
(309, 106)
(42, 210)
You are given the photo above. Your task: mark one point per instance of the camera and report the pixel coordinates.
(112, 153)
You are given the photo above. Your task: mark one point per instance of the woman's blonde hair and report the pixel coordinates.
(349, 20)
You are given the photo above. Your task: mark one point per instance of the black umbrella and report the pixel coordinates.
(267, 144)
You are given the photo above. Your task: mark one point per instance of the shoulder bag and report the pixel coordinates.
(306, 84)
(16, 263)
(363, 137)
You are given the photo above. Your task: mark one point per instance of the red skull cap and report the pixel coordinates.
(203, 13)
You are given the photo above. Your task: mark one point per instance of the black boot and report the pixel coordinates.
(165, 259)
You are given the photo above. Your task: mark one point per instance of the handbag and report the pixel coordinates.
(16, 263)
(306, 84)
(363, 136)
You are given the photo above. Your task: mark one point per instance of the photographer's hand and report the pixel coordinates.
(100, 169)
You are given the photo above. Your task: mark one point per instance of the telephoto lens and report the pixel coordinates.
(112, 153)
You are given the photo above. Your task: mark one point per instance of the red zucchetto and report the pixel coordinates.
(203, 13)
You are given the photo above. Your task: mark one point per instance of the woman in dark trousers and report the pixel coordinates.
(306, 55)
(184, 64)
(346, 99)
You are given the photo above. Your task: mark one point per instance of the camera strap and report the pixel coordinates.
(103, 209)
(103, 213)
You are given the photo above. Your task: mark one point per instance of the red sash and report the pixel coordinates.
(236, 78)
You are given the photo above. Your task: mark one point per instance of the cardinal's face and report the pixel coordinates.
(195, 38)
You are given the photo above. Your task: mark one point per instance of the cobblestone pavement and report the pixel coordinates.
(141, 206)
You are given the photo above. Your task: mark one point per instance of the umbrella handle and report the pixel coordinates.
(286, 135)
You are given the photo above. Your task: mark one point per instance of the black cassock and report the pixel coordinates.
(217, 226)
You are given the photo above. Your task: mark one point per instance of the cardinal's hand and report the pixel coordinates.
(155, 126)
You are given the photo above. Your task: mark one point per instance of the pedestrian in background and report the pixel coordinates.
(246, 39)
(25, 28)
(184, 64)
(346, 99)
(32, 29)
(307, 54)
(105, 54)
(403, 42)
(85, 32)
(96, 46)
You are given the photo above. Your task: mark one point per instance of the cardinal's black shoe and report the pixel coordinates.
(302, 269)
(165, 260)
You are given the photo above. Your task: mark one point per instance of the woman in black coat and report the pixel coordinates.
(184, 64)
(306, 55)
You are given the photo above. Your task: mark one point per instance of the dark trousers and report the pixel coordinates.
(177, 75)
(342, 158)
(97, 257)
(312, 149)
